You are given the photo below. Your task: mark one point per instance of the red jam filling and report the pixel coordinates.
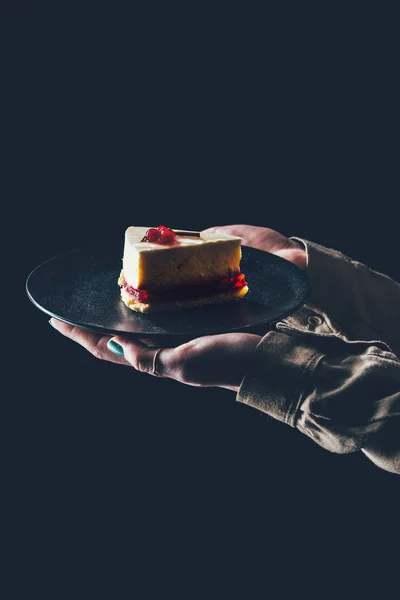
(146, 297)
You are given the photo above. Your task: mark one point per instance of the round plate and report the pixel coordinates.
(80, 287)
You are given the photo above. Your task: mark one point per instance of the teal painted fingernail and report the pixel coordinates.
(115, 348)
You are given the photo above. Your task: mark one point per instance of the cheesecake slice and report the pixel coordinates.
(170, 269)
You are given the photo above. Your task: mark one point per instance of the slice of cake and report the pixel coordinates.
(169, 269)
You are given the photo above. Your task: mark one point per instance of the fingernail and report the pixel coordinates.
(115, 348)
(52, 324)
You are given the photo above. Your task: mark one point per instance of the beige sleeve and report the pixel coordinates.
(335, 379)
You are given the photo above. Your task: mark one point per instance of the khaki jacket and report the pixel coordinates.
(332, 369)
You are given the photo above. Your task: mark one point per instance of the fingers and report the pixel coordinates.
(228, 229)
(143, 358)
(121, 350)
(252, 235)
(268, 240)
(95, 343)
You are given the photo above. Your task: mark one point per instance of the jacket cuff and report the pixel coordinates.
(279, 376)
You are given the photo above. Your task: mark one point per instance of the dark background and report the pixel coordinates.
(113, 115)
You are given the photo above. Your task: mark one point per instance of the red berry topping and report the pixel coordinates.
(167, 236)
(161, 235)
(152, 235)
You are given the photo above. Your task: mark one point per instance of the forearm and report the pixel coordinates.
(345, 396)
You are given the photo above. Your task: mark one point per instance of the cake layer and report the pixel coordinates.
(194, 259)
(225, 296)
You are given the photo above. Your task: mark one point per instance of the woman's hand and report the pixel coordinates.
(209, 361)
(266, 239)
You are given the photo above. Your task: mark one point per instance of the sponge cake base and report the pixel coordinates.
(132, 303)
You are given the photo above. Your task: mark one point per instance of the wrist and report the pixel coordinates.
(299, 254)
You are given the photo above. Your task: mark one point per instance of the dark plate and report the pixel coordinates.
(80, 288)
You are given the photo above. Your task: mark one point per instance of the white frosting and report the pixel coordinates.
(134, 235)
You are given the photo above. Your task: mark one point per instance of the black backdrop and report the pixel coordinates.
(114, 115)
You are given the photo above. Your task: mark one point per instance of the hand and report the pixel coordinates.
(267, 239)
(209, 361)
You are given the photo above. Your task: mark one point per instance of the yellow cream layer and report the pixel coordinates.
(191, 260)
